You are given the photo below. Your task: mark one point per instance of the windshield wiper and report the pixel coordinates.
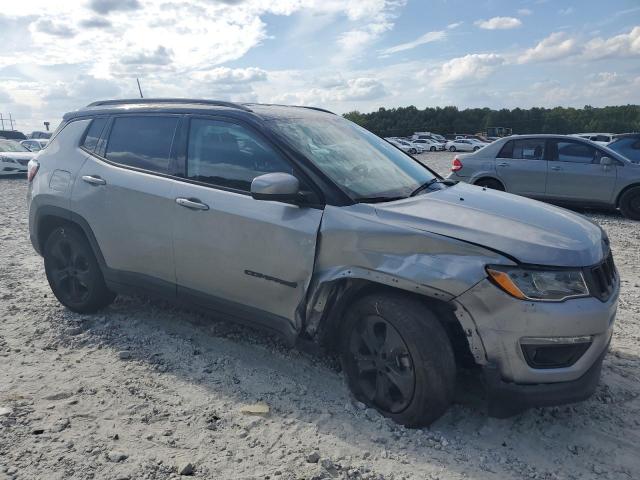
(377, 199)
(424, 186)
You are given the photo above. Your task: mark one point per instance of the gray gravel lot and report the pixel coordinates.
(146, 390)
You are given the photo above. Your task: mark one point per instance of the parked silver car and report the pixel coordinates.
(555, 168)
(299, 221)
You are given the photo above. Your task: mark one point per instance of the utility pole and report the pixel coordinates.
(139, 88)
(11, 121)
(2, 121)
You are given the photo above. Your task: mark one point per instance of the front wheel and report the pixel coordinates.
(73, 271)
(432, 149)
(398, 359)
(452, 148)
(490, 183)
(630, 203)
(413, 151)
(475, 149)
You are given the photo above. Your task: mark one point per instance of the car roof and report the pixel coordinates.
(188, 105)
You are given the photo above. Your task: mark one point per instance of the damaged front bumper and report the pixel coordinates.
(538, 353)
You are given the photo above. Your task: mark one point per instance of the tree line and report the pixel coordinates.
(404, 121)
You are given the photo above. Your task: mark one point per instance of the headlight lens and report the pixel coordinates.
(535, 284)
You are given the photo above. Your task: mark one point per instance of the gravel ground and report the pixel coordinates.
(146, 390)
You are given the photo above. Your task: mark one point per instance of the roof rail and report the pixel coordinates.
(316, 108)
(217, 103)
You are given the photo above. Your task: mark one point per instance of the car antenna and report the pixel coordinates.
(139, 88)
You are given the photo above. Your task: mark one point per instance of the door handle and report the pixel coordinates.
(503, 164)
(94, 180)
(557, 169)
(192, 203)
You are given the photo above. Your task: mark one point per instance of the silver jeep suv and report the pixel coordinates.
(299, 221)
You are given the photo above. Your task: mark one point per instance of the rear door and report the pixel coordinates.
(232, 251)
(522, 168)
(575, 173)
(123, 191)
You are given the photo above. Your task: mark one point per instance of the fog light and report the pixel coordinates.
(554, 352)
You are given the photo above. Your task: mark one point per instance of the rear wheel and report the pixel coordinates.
(490, 183)
(398, 359)
(475, 149)
(630, 203)
(413, 151)
(432, 149)
(452, 148)
(73, 271)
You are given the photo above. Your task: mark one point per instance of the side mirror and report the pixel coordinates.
(278, 187)
(606, 161)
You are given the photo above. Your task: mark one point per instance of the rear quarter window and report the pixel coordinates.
(93, 134)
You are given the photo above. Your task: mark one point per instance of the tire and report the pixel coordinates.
(475, 149)
(413, 151)
(630, 203)
(432, 149)
(73, 271)
(452, 148)
(491, 183)
(398, 359)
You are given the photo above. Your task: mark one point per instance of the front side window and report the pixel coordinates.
(363, 165)
(574, 152)
(229, 155)
(142, 142)
(93, 134)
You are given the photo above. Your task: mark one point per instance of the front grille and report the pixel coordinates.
(602, 278)
(22, 161)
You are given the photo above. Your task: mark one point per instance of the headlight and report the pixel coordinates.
(539, 284)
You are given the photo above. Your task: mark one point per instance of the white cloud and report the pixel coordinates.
(623, 45)
(499, 23)
(451, 26)
(468, 69)
(428, 37)
(523, 12)
(555, 46)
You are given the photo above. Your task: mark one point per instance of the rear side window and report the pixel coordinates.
(507, 150)
(526, 149)
(575, 152)
(93, 134)
(142, 142)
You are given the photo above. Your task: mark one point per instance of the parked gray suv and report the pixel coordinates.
(555, 168)
(299, 221)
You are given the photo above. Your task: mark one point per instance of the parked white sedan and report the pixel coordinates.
(464, 145)
(428, 145)
(13, 157)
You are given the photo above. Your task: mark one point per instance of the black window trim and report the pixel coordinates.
(178, 151)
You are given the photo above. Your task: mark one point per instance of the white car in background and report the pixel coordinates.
(428, 145)
(464, 145)
(403, 145)
(599, 138)
(14, 157)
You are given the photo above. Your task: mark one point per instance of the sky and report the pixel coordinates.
(342, 55)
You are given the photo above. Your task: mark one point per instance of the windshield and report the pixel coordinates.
(628, 147)
(10, 146)
(363, 165)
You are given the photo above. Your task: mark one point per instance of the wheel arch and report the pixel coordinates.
(334, 298)
(624, 190)
(488, 177)
(50, 217)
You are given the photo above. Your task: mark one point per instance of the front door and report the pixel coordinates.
(575, 173)
(232, 251)
(522, 168)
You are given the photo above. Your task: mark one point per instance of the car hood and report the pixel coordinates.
(527, 230)
(18, 155)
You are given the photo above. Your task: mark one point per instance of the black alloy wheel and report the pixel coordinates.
(385, 369)
(73, 272)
